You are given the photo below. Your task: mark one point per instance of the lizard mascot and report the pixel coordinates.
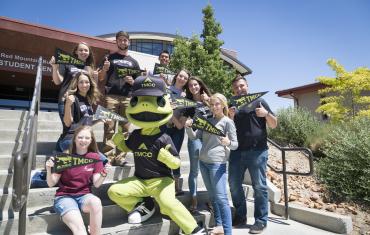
(155, 157)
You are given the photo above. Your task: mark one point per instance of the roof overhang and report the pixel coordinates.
(292, 92)
(225, 55)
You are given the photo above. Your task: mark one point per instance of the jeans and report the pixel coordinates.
(215, 179)
(255, 162)
(177, 136)
(64, 204)
(194, 147)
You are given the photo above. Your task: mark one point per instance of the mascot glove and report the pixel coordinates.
(118, 138)
(168, 159)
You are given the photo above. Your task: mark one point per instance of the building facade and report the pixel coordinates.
(22, 43)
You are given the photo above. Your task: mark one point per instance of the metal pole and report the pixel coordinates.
(286, 214)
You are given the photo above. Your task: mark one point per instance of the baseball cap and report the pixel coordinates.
(148, 86)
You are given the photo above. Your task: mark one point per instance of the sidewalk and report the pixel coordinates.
(279, 226)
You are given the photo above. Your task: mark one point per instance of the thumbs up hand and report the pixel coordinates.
(106, 64)
(261, 111)
(167, 158)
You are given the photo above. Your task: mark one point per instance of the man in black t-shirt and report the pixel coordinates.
(117, 89)
(252, 154)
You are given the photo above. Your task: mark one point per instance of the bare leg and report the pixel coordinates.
(73, 219)
(93, 206)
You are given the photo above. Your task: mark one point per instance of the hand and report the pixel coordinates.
(49, 163)
(106, 65)
(232, 112)
(225, 141)
(261, 111)
(96, 75)
(167, 158)
(189, 123)
(204, 97)
(52, 62)
(129, 80)
(70, 100)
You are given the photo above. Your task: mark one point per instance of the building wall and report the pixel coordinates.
(309, 101)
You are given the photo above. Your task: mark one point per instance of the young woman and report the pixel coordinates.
(213, 157)
(82, 94)
(74, 192)
(175, 128)
(63, 74)
(197, 91)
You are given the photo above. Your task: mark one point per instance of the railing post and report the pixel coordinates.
(286, 198)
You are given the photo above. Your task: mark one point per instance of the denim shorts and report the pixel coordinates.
(63, 204)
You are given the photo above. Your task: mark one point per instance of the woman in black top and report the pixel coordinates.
(63, 74)
(82, 94)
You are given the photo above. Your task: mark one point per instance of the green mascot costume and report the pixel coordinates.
(155, 156)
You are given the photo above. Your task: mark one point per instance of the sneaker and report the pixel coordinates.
(200, 229)
(238, 221)
(218, 230)
(257, 228)
(142, 212)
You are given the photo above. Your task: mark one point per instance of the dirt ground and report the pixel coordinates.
(307, 191)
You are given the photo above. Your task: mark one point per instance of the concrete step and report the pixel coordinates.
(21, 114)
(42, 135)
(114, 222)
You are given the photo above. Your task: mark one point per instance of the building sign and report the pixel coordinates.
(22, 62)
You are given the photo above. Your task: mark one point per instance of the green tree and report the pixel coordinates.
(347, 95)
(202, 58)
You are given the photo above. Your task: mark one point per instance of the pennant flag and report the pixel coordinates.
(239, 101)
(62, 57)
(158, 69)
(181, 103)
(103, 113)
(122, 71)
(201, 123)
(66, 161)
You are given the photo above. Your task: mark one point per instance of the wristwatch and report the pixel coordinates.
(104, 173)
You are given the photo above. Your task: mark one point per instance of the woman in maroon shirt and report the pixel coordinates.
(74, 192)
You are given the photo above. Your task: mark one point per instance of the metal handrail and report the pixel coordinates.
(285, 173)
(25, 159)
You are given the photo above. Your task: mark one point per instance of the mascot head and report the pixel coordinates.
(149, 106)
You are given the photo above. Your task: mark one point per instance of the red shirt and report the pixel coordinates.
(78, 180)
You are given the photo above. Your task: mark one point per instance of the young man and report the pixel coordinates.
(164, 60)
(117, 90)
(252, 154)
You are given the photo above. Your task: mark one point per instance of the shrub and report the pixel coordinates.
(346, 168)
(295, 126)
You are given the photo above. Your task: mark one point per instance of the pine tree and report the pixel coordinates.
(203, 58)
(347, 95)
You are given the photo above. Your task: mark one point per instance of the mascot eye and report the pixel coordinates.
(133, 101)
(161, 101)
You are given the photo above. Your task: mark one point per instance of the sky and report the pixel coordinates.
(286, 43)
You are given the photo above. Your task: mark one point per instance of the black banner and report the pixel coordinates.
(122, 71)
(239, 101)
(201, 123)
(181, 103)
(103, 113)
(158, 69)
(65, 161)
(62, 57)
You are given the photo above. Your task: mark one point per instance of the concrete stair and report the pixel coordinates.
(41, 216)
